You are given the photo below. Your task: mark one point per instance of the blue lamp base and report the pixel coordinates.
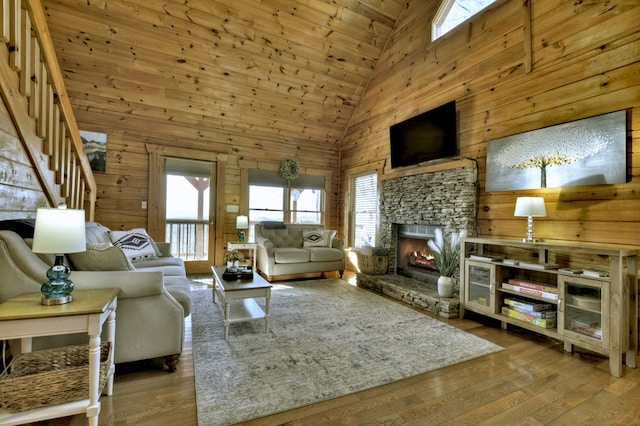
(57, 291)
(241, 236)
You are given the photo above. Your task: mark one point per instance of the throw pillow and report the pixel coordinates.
(313, 239)
(135, 243)
(100, 257)
(318, 238)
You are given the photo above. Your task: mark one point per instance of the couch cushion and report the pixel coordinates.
(100, 257)
(136, 244)
(160, 262)
(180, 289)
(291, 255)
(167, 270)
(324, 254)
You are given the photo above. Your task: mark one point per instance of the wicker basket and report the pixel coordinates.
(49, 377)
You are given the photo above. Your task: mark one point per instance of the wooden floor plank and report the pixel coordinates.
(533, 381)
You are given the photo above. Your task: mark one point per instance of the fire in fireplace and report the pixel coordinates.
(413, 256)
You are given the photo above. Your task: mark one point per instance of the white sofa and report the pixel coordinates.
(153, 301)
(288, 249)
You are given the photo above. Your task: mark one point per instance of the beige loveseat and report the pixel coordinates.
(286, 249)
(154, 293)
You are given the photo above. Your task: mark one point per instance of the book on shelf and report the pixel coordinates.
(570, 271)
(530, 291)
(596, 273)
(526, 305)
(529, 319)
(534, 285)
(539, 265)
(583, 327)
(484, 258)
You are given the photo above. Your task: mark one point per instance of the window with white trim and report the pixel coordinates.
(364, 211)
(271, 197)
(453, 13)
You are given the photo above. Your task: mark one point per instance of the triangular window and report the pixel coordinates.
(454, 12)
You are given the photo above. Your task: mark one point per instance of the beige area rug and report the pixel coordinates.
(326, 339)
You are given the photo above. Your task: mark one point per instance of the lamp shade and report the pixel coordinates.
(59, 231)
(242, 222)
(530, 206)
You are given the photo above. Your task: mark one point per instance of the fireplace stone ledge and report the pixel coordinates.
(418, 294)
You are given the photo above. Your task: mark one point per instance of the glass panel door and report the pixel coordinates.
(188, 213)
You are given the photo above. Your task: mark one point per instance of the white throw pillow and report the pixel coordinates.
(135, 243)
(318, 238)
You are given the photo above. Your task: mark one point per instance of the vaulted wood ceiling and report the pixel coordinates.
(277, 69)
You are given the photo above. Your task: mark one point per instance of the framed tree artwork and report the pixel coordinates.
(591, 151)
(95, 146)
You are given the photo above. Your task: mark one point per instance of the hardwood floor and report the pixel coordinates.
(531, 382)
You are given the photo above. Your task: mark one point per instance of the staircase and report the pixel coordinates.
(32, 87)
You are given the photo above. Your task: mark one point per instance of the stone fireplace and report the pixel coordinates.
(411, 207)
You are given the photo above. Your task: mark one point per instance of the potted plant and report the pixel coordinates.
(446, 253)
(233, 258)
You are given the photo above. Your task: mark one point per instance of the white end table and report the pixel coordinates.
(252, 247)
(24, 317)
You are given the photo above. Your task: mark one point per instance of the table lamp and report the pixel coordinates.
(242, 223)
(530, 207)
(58, 231)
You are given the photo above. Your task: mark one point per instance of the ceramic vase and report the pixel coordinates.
(445, 286)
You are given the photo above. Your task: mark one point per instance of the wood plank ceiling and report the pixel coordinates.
(278, 70)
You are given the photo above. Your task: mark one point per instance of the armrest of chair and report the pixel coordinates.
(265, 245)
(131, 283)
(165, 248)
(337, 243)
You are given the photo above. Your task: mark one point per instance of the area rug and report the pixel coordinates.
(326, 339)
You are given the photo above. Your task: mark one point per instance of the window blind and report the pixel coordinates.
(365, 210)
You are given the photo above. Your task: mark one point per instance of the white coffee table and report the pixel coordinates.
(237, 298)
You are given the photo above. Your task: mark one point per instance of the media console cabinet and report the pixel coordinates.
(537, 286)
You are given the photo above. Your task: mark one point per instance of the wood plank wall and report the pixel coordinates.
(585, 60)
(20, 191)
(140, 101)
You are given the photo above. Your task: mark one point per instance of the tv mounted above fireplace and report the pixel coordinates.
(431, 135)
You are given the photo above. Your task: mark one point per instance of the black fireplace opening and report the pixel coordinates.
(413, 256)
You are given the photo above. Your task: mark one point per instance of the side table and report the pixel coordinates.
(24, 317)
(252, 247)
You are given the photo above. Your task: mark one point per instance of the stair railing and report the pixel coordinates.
(33, 90)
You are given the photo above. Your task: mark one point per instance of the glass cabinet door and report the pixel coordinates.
(479, 279)
(583, 311)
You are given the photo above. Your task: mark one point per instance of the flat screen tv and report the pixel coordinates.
(429, 136)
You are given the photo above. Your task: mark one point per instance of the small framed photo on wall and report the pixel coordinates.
(95, 146)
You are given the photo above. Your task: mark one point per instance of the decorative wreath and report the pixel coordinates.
(289, 169)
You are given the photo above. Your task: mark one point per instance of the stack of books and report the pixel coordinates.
(538, 314)
(532, 288)
(586, 328)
